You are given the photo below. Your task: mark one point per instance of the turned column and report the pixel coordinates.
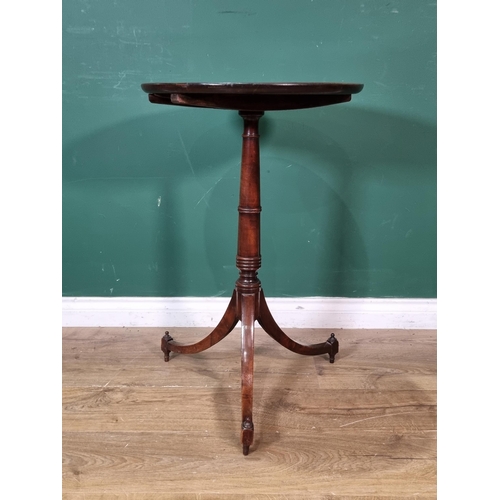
(248, 258)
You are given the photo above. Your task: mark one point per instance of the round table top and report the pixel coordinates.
(251, 96)
(302, 88)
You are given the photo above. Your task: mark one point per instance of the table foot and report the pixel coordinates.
(266, 320)
(246, 436)
(225, 326)
(164, 345)
(334, 349)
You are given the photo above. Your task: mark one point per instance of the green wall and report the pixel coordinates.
(348, 191)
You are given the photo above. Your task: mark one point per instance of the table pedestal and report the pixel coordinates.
(248, 303)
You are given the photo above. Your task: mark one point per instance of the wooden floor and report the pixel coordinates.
(135, 427)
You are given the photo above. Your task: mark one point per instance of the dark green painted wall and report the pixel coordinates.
(348, 191)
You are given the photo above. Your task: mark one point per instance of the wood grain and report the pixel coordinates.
(138, 428)
(223, 496)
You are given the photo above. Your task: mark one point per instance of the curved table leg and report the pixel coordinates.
(248, 307)
(266, 320)
(225, 326)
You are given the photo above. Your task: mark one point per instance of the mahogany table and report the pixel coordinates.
(248, 303)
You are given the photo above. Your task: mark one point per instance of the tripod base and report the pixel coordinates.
(248, 308)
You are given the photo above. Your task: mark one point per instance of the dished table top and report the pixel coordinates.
(251, 96)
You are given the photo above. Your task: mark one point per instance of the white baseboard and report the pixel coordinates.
(305, 312)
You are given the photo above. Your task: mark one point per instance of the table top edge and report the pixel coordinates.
(310, 88)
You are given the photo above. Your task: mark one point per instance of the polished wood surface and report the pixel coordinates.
(248, 303)
(251, 96)
(278, 88)
(136, 427)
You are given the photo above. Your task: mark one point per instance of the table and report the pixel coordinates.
(248, 303)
